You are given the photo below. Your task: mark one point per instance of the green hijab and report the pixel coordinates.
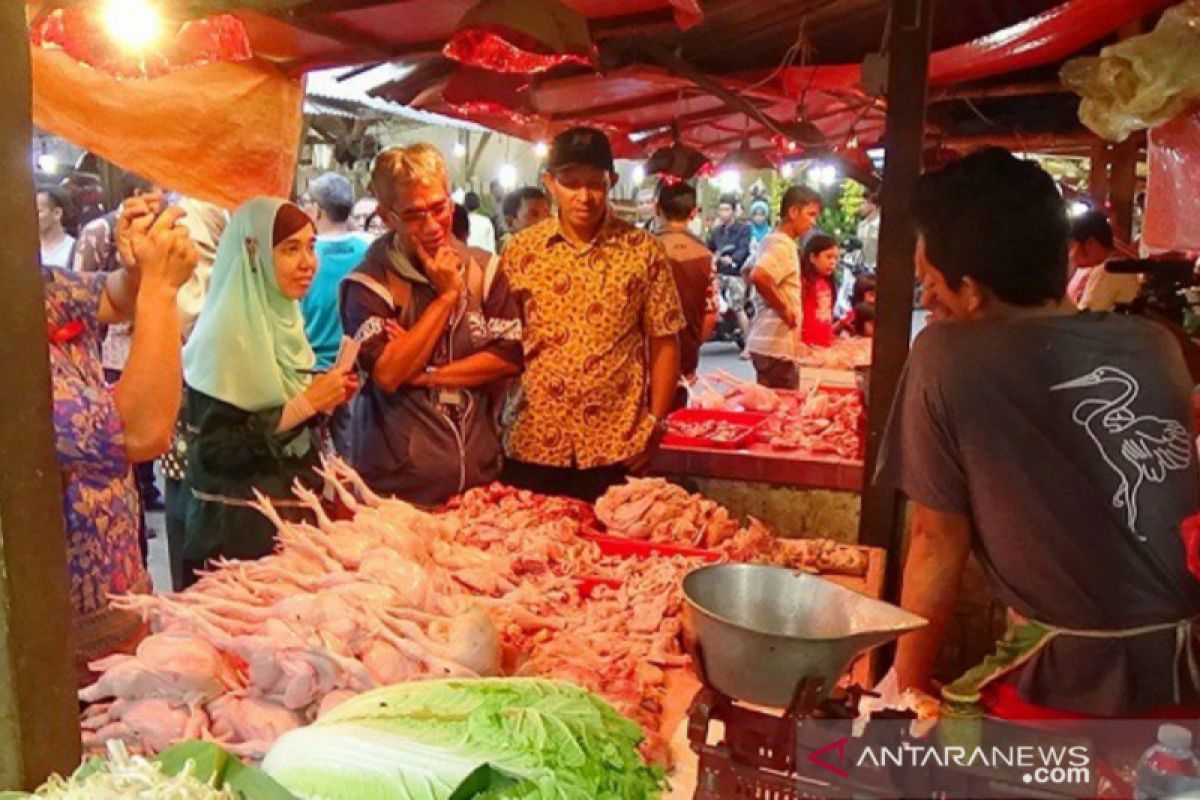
(249, 348)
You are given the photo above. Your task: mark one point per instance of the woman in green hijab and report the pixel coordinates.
(252, 405)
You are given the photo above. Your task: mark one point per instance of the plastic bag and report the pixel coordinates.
(1143, 81)
(1172, 220)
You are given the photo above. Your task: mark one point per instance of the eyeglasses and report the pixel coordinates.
(592, 181)
(413, 217)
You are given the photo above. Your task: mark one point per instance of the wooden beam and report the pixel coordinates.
(697, 117)
(882, 519)
(976, 92)
(1022, 142)
(39, 730)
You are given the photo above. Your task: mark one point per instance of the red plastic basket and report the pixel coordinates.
(751, 421)
(635, 548)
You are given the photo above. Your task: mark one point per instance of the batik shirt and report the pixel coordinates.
(100, 503)
(587, 312)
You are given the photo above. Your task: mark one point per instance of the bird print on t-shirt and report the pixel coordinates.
(1138, 449)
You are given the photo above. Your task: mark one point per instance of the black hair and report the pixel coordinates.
(461, 225)
(998, 220)
(797, 197)
(815, 245)
(132, 185)
(1092, 225)
(374, 216)
(862, 285)
(863, 313)
(471, 201)
(676, 201)
(59, 198)
(334, 195)
(513, 201)
(729, 199)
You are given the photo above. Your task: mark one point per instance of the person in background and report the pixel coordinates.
(691, 265)
(251, 402)
(483, 232)
(729, 242)
(308, 204)
(101, 429)
(776, 276)
(360, 216)
(760, 223)
(868, 231)
(1092, 246)
(601, 317)
(863, 320)
(433, 341)
(525, 207)
(1057, 446)
(53, 207)
(817, 265)
(862, 296)
(646, 208)
(339, 250)
(96, 251)
(205, 222)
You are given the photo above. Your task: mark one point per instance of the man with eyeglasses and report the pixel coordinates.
(600, 315)
(433, 333)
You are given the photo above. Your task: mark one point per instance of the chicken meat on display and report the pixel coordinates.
(499, 583)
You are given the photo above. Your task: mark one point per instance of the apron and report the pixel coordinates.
(1025, 638)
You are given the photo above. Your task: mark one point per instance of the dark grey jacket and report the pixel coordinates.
(425, 445)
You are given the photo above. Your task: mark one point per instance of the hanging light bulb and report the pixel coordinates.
(730, 180)
(134, 25)
(460, 150)
(639, 174)
(541, 149)
(507, 175)
(788, 170)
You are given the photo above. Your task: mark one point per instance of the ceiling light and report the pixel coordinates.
(639, 174)
(507, 175)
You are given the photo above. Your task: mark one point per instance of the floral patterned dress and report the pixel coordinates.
(100, 503)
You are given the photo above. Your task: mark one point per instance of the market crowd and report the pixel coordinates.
(438, 347)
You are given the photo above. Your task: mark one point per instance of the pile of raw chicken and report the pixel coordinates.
(842, 354)
(825, 420)
(501, 582)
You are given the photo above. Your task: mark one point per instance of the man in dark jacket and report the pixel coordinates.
(729, 242)
(433, 338)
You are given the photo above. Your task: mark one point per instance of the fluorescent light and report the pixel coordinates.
(541, 149)
(825, 174)
(639, 174)
(507, 175)
(730, 181)
(134, 25)
(47, 163)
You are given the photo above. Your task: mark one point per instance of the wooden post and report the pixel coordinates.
(1123, 185)
(1098, 175)
(39, 733)
(908, 62)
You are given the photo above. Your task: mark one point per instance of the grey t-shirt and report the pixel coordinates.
(1068, 442)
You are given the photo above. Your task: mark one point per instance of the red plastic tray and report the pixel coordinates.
(752, 421)
(635, 548)
(587, 584)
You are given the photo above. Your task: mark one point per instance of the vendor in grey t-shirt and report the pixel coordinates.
(1055, 445)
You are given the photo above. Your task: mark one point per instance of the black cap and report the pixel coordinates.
(584, 146)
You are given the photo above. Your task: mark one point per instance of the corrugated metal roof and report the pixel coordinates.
(344, 95)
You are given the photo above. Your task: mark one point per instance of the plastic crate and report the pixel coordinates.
(751, 421)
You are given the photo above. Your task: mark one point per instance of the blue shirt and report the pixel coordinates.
(337, 256)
